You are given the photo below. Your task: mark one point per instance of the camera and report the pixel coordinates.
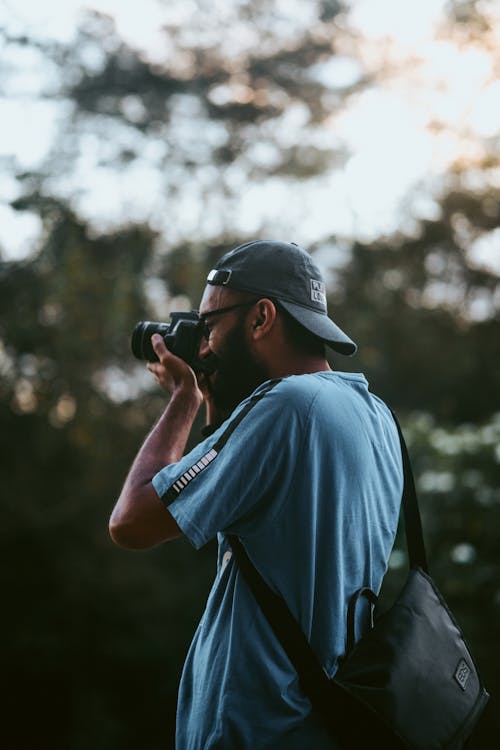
(182, 337)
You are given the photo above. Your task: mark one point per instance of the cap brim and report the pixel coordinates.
(322, 327)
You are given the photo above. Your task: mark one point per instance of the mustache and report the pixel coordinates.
(209, 364)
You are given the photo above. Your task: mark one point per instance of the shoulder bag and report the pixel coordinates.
(410, 683)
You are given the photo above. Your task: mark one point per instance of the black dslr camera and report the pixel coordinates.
(182, 336)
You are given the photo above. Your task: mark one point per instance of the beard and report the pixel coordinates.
(238, 374)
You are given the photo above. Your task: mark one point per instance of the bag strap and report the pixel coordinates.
(314, 680)
(341, 713)
(173, 491)
(252, 401)
(284, 624)
(414, 539)
(412, 521)
(409, 503)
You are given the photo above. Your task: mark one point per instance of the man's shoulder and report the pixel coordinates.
(342, 400)
(297, 393)
(307, 386)
(294, 397)
(295, 388)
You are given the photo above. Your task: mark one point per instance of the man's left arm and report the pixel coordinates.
(139, 519)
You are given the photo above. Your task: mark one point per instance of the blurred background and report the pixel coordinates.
(139, 141)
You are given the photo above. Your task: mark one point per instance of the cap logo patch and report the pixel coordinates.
(318, 292)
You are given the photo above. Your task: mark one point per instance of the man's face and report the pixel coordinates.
(238, 372)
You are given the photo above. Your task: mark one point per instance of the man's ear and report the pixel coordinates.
(263, 318)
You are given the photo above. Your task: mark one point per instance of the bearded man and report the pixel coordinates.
(300, 462)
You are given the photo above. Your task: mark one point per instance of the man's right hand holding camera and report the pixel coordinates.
(171, 372)
(139, 519)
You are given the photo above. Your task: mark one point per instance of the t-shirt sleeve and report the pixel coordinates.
(236, 487)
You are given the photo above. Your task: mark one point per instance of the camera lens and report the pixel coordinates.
(142, 347)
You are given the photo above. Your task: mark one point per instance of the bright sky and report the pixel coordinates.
(428, 113)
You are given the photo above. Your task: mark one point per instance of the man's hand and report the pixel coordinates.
(171, 372)
(139, 519)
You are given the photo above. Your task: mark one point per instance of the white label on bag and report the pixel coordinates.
(462, 673)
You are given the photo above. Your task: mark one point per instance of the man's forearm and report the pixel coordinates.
(166, 442)
(139, 519)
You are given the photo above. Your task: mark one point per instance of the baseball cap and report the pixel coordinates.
(285, 272)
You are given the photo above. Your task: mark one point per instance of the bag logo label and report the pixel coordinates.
(462, 673)
(318, 292)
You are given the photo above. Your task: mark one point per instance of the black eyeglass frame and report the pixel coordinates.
(220, 311)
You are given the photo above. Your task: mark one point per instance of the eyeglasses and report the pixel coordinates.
(220, 311)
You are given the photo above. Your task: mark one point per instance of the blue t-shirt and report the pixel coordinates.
(311, 482)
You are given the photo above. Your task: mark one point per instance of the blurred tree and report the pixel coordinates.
(96, 634)
(82, 616)
(426, 316)
(199, 123)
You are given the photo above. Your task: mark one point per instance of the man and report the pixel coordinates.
(309, 479)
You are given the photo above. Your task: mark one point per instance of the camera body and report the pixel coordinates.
(182, 337)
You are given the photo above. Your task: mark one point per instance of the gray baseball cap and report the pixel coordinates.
(285, 272)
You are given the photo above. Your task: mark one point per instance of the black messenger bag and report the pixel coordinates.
(410, 682)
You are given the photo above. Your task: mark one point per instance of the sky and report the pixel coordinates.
(440, 97)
